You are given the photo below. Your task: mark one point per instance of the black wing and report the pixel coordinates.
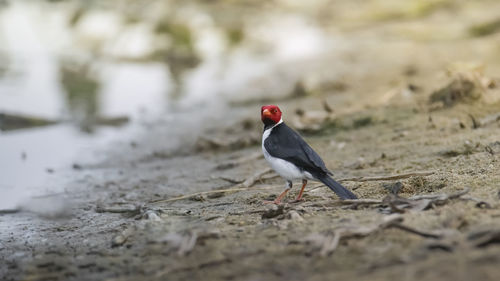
(286, 144)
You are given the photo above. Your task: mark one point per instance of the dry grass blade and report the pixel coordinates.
(249, 182)
(348, 202)
(187, 196)
(416, 231)
(126, 209)
(385, 178)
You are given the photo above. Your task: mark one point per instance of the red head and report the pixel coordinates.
(270, 114)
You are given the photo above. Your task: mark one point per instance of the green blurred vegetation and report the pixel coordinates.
(485, 28)
(81, 90)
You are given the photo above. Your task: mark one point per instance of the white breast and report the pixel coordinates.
(285, 169)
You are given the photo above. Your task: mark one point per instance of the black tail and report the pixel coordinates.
(340, 190)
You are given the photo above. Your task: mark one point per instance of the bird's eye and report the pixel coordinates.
(274, 110)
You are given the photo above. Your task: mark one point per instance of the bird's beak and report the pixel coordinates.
(266, 113)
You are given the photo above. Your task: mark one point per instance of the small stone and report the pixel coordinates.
(273, 212)
(121, 238)
(118, 240)
(294, 216)
(151, 215)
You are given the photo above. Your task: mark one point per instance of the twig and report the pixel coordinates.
(197, 194)
(250, 181)
(417, 232)
(359, 201)
(101, 209)
(236, 181)
(237, 189)
(489, 150)
(260, 175)
(327, 107)
(459, 193)
(475, 124)
(241, 186)
(254, 178)
(384, 178)
(350, 202)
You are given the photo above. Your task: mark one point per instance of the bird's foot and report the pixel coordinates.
(298, 200)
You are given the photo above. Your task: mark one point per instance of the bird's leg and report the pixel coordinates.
(277, 201)
(304, 183)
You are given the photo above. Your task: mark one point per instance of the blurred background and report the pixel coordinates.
(77, 75)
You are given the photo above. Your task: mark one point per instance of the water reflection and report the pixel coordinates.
(35, 161)
(63, 50)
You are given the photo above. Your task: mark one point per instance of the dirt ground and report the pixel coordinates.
(397, 114)
(122, 232)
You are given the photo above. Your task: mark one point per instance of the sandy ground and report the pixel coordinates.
(124, 219)
(120, 231)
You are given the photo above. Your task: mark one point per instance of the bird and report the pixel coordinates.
(292, 158)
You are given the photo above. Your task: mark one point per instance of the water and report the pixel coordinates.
(31, 160)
